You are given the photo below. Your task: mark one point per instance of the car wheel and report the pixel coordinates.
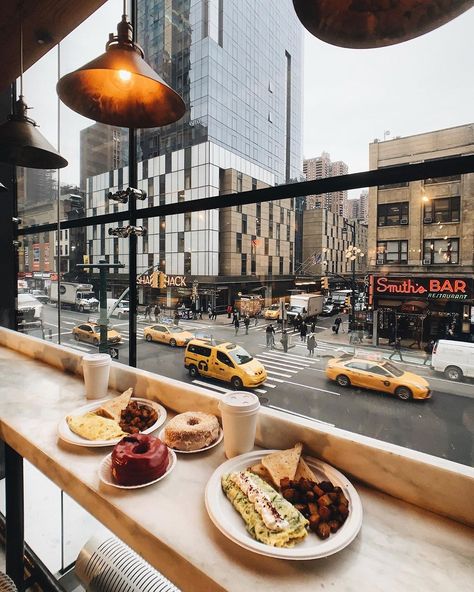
(193, 371)
(76, 336)
(343, 380)
(236, 382)
(81, 308)
(149, 337)
(403, 393)
(96, 342)
(173, 342)
(453, 373)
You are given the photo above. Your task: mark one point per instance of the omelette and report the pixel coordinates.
(93, 427)
(268, 517)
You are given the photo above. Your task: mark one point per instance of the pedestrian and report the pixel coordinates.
(148, 312)
(429, 351)
(247, 323)
(176, 318)
(337, 324)
(229, 311)
(284, 340)
(311, 344)
(303, 331)
(209, 311)
(213, 314)
(298, 321)
(236, 325)
(313, 327)
(157, 312)
(397, 349)
(270, 334)
(257, 314)
(234, 317)
(200, 312)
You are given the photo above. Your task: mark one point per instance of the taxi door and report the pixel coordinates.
(222, 366)
(380, 379)
(159, 333)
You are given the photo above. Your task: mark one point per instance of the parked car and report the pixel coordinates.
(169, 334)
(90, 333)
(330, 309)
(384, 376)
(225, 361)
(28, 302)
(454, 358)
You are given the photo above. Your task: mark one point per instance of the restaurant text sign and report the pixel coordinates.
(434, 288)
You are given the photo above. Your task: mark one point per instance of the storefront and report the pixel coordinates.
(419, 308)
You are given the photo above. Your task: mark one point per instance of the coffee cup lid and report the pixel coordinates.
(239, 401)
(96, 358)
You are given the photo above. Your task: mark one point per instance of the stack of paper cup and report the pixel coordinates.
(96, 368)
(239, 411)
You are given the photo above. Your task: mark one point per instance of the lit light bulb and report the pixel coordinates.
(362, 254)
(124, 75)
(425, 198)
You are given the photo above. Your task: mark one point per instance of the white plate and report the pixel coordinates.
(231, 524)
(68, 436)
(105, 472)
(161, 436)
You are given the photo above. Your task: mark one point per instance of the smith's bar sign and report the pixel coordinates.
(424, 288)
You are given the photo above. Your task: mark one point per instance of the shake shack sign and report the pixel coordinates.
(442, 288)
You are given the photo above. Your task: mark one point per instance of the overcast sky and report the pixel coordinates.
(350, 96)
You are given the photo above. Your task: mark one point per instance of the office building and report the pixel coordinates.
(357, 209)
(421, 234)
(103, 148)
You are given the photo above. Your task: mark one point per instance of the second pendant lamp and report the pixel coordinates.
(120, 88)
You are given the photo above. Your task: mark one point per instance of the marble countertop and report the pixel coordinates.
(400, 546)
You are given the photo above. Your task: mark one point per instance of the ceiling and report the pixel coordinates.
(45, 23)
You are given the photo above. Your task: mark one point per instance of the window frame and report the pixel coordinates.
(383, 213)
(383, 254)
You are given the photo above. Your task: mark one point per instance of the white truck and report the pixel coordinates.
(80, 297)
(309, 306)
(120, 310)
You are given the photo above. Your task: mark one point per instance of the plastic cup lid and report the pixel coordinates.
(96, 358)
(239, 401)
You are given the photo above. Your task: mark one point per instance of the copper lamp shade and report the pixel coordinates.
(21, 144)
(365, 24)
(120, 88)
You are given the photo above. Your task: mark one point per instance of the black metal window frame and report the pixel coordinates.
(433, 212)
(384, 248)
(393, 214)
(440, 251)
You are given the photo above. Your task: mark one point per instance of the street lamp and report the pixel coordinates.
(352, 254)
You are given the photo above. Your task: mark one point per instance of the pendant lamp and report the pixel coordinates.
(365, 24)
(21, 144)
(120, 88)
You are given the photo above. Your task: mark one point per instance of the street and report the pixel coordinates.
(442, 426)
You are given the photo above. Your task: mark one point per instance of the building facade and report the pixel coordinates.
(322, 167)
(103, 148)
(358, 208)
(421, 241)
(326, 238)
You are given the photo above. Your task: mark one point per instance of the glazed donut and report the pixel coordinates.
(192, 430)
(138, 459)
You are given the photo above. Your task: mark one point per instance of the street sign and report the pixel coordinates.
(114, 353)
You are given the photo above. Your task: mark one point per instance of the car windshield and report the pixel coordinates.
(274, 307)
(296, 308)
(239, 355)
(178, 330)
(97, 329)
(393, 369)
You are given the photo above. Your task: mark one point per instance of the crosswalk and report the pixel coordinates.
(279, 366)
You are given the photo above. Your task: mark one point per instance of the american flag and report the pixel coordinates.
(316, 258)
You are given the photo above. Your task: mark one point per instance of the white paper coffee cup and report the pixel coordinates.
(96, 368)
(239, 410)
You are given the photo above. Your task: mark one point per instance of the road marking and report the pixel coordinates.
(275, 379)
(272, 372)
(313, 388)
(267, 384)
(261, 391)
(67, 323)
(289, 357)
(274, 357)
(272, 363)
(273, 367)
(75, 346)
(299, 415)
(220, 389)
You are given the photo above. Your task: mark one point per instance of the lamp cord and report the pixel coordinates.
(21, 49)
(124, 6)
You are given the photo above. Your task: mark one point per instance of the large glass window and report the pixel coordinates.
(441, 251)
(392, 252)
(392, 214)
(442, 210)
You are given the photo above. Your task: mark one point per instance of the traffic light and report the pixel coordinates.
(347, 302)
(325, 283)
(163, 280)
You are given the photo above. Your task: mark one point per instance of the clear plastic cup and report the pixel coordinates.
(239, 410)
(96, 369)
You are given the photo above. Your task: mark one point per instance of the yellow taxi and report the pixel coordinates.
(225, 361)
(170, 334)
(378, 375)
(90, 333)
(272, 313)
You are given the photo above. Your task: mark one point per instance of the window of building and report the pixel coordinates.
(244, 223)
(243, 264)
(446, 209)
(441, 251)
(449, 179)
(392, 214)
(187, 221)
(266, 246)
(180, 242)
(253, 265)
(270, 265)
(240, 178)
(238, 242)
(392, 252)
(281, 265)
(187, 263)
(180, 196)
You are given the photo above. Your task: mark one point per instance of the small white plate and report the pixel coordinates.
(69, 436)
(231, 524)
(161, 436)
(105, 472)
